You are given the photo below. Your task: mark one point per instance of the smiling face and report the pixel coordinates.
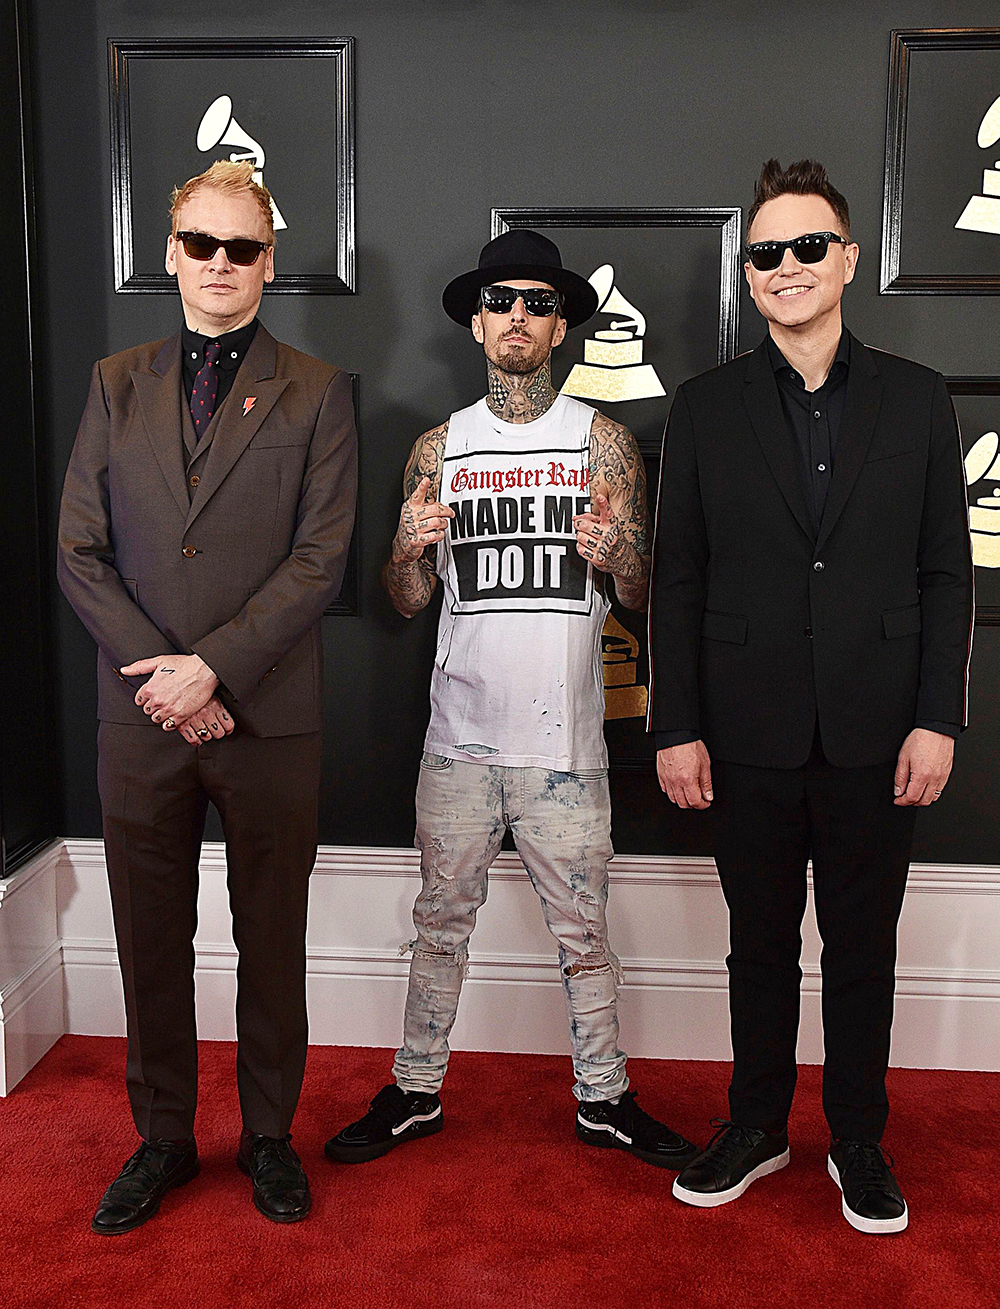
(218, 295)
(518, 342)
(794, 295)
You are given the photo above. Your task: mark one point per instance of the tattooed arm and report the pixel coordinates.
(409, 576)
(614, 536)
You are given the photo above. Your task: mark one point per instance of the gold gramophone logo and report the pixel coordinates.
(219, 127)
(612, 368)
(982, 213)
(982, 465)
(623, 696)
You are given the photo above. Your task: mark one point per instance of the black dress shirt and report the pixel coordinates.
(814, 419)
(235, 345)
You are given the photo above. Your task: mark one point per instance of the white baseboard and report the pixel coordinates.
(32, 1012)
(59, 967)
(668, 925)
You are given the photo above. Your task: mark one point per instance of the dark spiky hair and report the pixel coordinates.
(805, 177)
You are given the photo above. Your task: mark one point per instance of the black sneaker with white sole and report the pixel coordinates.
(735, 1157)
(872, 1200)
(395, 1116)
(624, 1126)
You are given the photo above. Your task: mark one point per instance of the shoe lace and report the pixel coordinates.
(730, 1141)
(867, 1163)
(632, 1113)
(146, 1163)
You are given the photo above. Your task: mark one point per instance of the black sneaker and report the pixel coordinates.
(872, 1201)
(624, 1126)
(735, 1157)
(395, 1116)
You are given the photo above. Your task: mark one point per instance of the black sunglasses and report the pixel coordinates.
(239, 249)
(808, 249)
(538, 301)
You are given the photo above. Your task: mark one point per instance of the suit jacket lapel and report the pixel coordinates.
(236, 428)
(771, 427)
(159, 395)
(861, 406)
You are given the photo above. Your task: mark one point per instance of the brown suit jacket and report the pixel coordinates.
(238, 570)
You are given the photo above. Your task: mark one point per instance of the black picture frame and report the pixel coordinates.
(123, 54)
(727, 219)
(348, 602)
(893, 279)
(987, 578)
(625, 641)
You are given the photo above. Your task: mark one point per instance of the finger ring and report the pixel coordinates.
(938, 793)
(203, 731)
(169, 723)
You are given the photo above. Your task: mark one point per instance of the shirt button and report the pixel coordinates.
(194, 354)
(818, 566)
(817, 414)
(821, 467)
(232, 354)
(196, 479)
(189, 552)
(809, 632)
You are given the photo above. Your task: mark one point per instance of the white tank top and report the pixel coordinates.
(518, 676)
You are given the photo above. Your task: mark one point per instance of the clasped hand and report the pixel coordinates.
(178, 686)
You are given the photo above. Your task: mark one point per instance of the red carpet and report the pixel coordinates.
(503, 1208)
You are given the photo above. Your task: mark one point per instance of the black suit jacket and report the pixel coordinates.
(238, 570)
(758, 626)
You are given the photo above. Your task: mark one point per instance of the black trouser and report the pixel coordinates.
(155, 791)
(769, 823)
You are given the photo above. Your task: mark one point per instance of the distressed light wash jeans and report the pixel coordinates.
(561, 824)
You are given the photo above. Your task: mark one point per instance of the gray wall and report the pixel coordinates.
(462, 106)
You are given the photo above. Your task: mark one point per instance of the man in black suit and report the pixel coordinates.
(811, 618)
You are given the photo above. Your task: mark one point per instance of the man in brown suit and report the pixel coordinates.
(206, 517)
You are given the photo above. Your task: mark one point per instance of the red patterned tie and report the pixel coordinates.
(205, 389)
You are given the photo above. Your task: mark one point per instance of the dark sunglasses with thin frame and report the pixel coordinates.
(239, 249)
(538, 300)
(809, 249)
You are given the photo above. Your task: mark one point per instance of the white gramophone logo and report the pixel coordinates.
(612, 367)
(982, 213)
(219, 127)
(982, 463)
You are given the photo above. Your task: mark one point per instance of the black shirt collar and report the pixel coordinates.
(234, 346)
(783, 369)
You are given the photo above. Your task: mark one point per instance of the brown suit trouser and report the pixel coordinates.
(155, 791)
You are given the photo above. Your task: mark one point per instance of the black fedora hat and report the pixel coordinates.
(512, 256)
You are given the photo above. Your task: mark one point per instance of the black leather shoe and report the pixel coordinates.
(280, 1188)
(136, 1192)
(872, 1200)
(735, 1157)
(624, 1126)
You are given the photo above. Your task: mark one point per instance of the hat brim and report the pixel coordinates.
(462, 294)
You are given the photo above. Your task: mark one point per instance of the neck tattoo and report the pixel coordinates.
(519, 397)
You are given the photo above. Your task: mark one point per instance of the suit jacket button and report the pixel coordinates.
(809, 632)
(189, 552)
(819, 565)
(194, 480)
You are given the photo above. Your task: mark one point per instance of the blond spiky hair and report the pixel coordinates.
(234, 179)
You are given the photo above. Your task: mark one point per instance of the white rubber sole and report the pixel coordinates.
(703, 1201)
(873, 1226)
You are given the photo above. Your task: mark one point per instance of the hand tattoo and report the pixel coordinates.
(409, 578)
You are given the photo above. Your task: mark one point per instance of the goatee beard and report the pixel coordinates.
(514, 361)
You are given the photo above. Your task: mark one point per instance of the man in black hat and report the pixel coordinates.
(523, 504)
